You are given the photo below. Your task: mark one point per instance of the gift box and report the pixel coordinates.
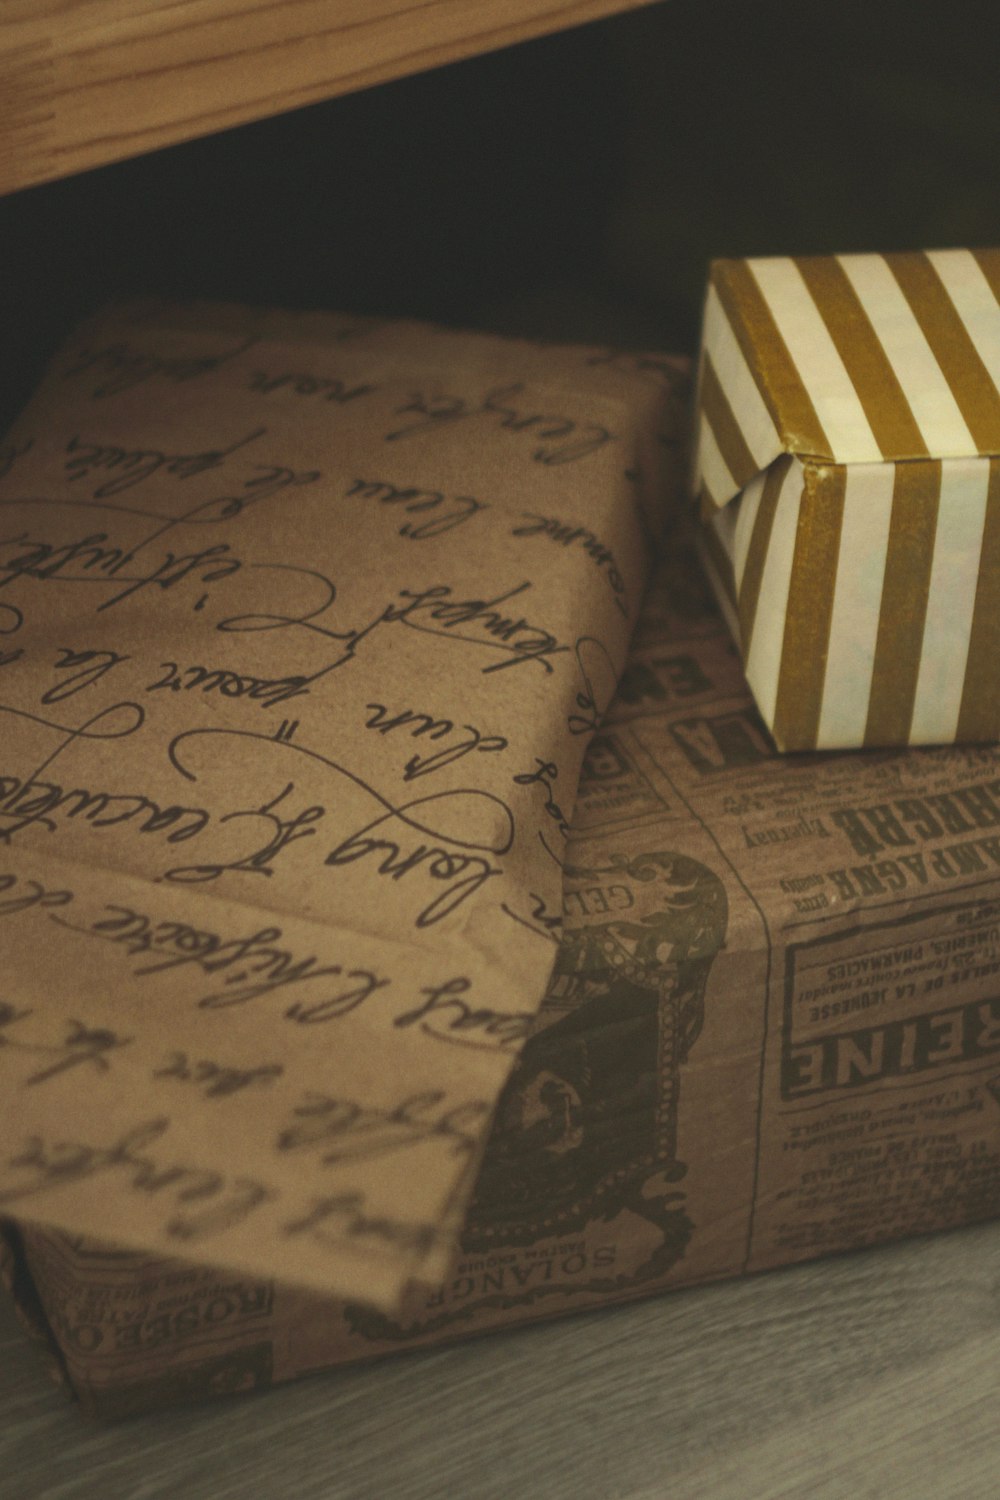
(846, 469)
(271, 586)
(772, 1034)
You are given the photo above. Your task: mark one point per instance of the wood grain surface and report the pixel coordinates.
(83, 82)
(871, 1375)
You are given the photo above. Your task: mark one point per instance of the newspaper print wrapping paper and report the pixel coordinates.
(848, 427)
(773, 1033)
(305, 622)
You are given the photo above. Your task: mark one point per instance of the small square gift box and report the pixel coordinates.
(847, 469)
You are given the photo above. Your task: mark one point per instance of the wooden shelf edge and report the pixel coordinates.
(87, 82)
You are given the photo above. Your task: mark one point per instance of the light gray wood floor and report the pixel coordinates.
(872, 1375)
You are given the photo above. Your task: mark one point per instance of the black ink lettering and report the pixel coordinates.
(565, 535)
(326, 387)
(81, 1045)
(514, 634)
(31, 894)
(594, 662)
(340, 1221)
(250, 968)
(447, 1016)
(466, 827)
(216, 1080)
(419, 724)
(566, 440)
(135, 466)
(268, 692)
(346, 1131)
(48, 562)
(457, 509)
(545, 774)
(86, 669)
(119, 366)
(44, 1165)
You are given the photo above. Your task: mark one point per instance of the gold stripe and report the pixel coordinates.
(988, 262)
(760, 537)
(874, 379)
(766, 353)
(810, 608)
(916, 494)
(707, 504)
(721, 561)
(979, 716)
(975, 394)
(725, 428)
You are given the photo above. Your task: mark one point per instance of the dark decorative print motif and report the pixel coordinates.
(586, 1130)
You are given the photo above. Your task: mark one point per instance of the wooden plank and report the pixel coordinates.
(865, 1375)
(84, 82)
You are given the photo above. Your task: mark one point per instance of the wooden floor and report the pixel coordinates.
(873, 1375)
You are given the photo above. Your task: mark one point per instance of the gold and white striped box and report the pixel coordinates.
(848, 469)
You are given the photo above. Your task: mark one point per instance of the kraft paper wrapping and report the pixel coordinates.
(772, 1033)
(848, 433)
(305, 623)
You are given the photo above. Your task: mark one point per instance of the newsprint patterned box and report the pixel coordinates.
(850, 491)
(774, 1033)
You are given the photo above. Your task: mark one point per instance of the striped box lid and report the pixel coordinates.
(848, 423)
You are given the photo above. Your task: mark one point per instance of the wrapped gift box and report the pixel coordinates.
(773, 1034)
(848, 428)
